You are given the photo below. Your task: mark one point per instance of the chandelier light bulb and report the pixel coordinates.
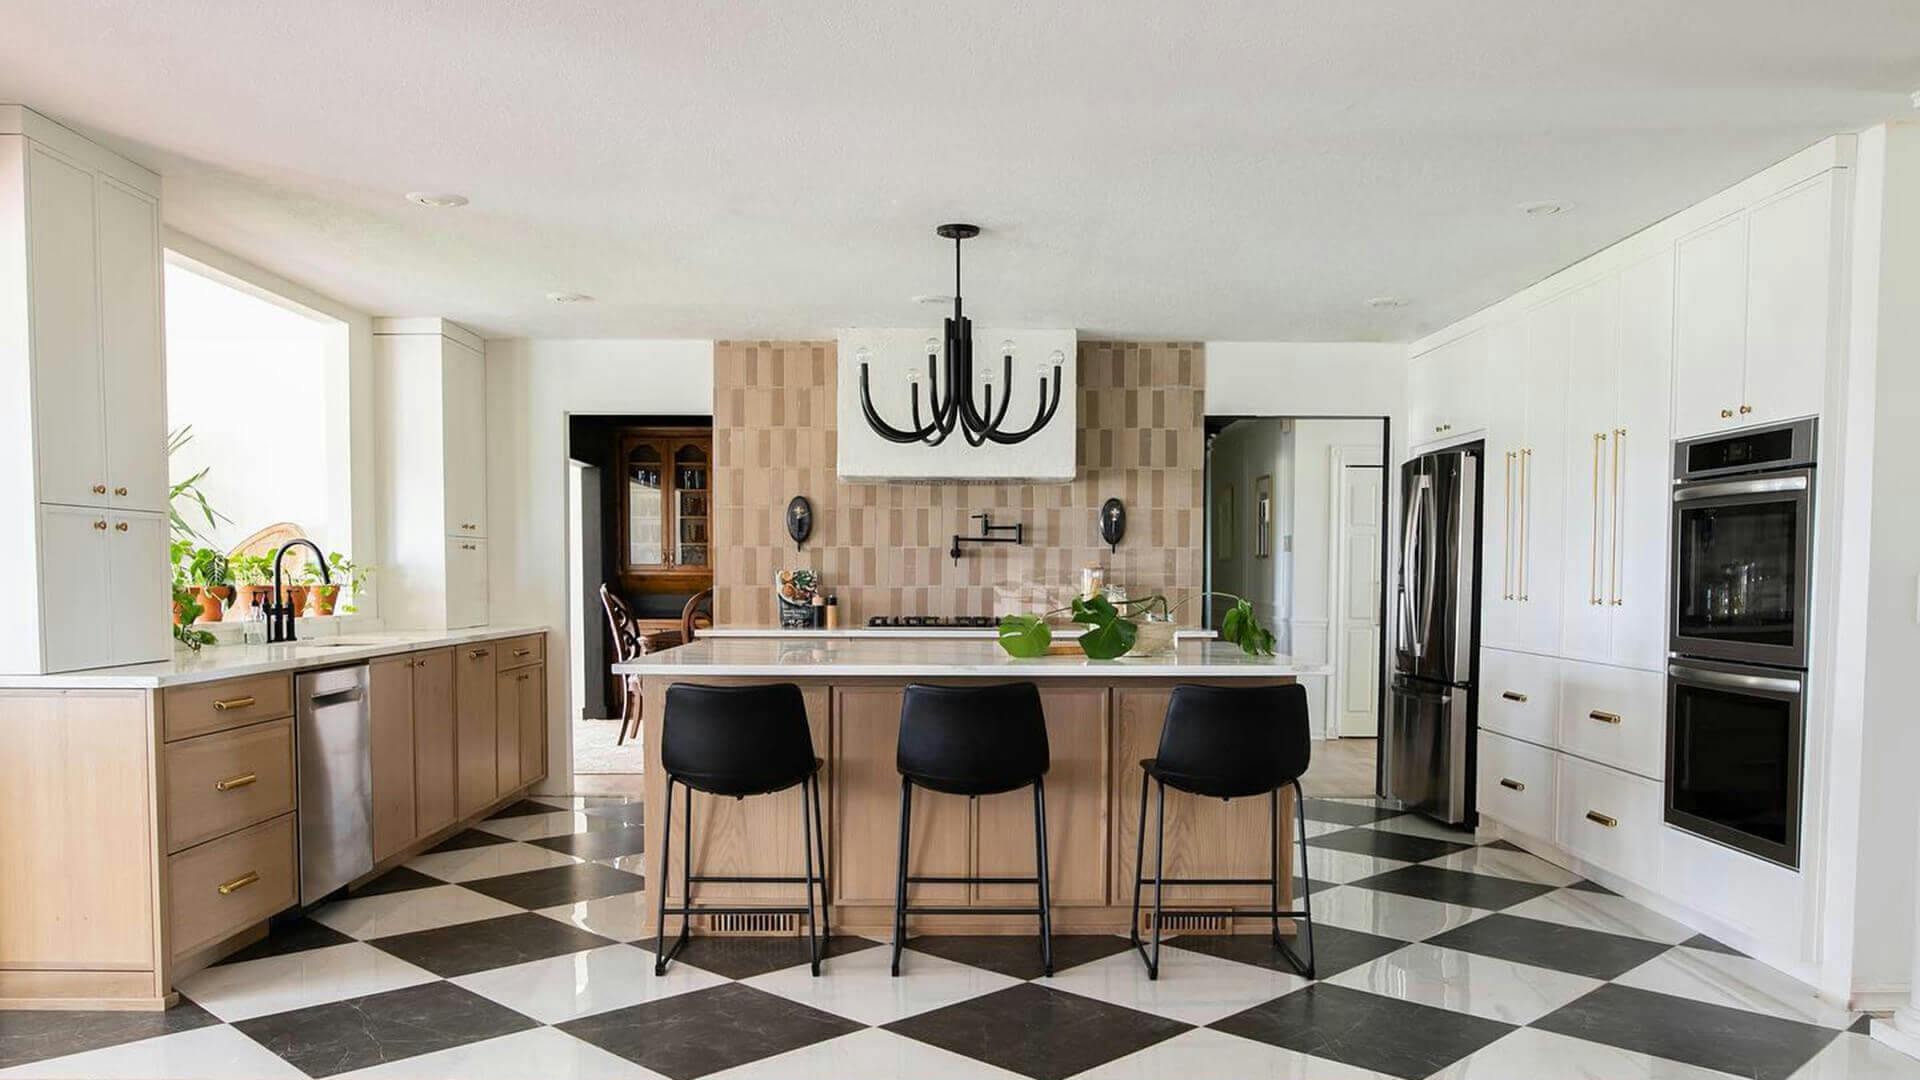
(932, 346)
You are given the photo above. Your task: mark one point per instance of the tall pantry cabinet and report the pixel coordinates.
(83, 461)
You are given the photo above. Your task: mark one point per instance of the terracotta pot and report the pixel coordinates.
(245, 596)
(297, 596)
(177, 611)
(324, 598)
(224, 592)
(210, 608)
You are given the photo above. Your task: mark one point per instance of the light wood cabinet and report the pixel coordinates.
(435, 769)
(477, 715)
(507, 730)
(219, 783)
(224, 886)
(390, 744)
(530, 708)
(1078, 809)
(82, 401)
(866, 809)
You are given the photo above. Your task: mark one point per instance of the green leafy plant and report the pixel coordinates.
(350, 576)
(186, 498)
(1113, 627)
(250, 570)
(187, 607)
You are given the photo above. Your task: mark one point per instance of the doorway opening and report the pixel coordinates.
(638, 558)
(1295, 524)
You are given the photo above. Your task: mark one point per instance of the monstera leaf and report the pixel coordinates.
(1025, 635)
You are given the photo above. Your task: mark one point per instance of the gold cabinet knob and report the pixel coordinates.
(100, 525)
(119, 526)
(99, 489)
(1726, 414)
(120, 491)
(1745, 409)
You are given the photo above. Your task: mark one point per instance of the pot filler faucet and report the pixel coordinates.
(280, 613)
(987, 529)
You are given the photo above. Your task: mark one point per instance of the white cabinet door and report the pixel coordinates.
(1789, 289)
(1520, 695)
(1587, 445)
(466, 582)
(1637, 574)
(1542, 477)
(1610, 818)
(1614, 715)
(76, 600)
(133, 366)
(1506, 435)
(1516, 784)
(137, 623)
(1463, 390)
(70, 444)
(1423, 398)
(1710, 327)
(464, 393)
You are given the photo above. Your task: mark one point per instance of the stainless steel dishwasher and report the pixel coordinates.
(336, 778)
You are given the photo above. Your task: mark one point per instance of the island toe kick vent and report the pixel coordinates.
(774, 924)
(1188, 923)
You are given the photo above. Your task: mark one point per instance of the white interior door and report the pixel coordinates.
(1356, 674)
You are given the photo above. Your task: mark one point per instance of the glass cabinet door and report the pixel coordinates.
(692, 475)
(645, 465)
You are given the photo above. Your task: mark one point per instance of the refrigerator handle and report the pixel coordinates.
(1409, 565)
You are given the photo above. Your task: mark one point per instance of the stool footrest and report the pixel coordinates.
(1233, 913)
(703, 910)
(916, 879)
(1266, 882)
(971, 911)
(740, 879)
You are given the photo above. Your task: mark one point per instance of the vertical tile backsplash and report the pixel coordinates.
(882, 548)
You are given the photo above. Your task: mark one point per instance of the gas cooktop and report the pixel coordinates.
(932, 622)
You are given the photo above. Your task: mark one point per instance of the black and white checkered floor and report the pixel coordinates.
(509, 952)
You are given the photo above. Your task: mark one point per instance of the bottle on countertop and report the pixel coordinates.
(819, 611)
(833, 612)
(253, 631)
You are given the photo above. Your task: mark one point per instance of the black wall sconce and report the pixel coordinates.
(799, 520)
(1113, 523)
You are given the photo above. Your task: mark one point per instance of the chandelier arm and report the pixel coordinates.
(978, 436)
(1006, 399)
(1043, 415)
(880, 426)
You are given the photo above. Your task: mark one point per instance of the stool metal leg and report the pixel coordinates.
(660, 926)
(1306, 890)
(1040, 860)
(900, 877)
(1139, 865)
(1273, 801)
(806, 842)
(1159, 875)
(820, 840)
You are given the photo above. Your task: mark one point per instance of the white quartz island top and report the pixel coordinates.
(946, 633)
(216, 662)
(924, 658)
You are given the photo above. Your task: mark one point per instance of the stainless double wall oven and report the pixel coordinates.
(1737, 637)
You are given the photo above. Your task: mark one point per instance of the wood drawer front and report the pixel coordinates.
(256, 866)
(1617, 716)
(1517, 784)
(208, 707)
(1519, 694)
(1610, 818)
(218, 783)
(520, 651)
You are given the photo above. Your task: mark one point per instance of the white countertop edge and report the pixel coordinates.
(217, 662)
(1042, 668)
(911, 658)
(1191, 633)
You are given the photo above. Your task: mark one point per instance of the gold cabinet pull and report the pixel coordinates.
(232, 782)
(1506, 551)
(523, 652)
(100, 526)
(477, 654)
(523, 678)
(1601, 819)
(1510, 782)
(1514, 695)
(99, 489)
(239, 883)
(231, 704)
(1526, 512)
(1619, 450)
(119, 526)
(1604, 717)
(1593, 531)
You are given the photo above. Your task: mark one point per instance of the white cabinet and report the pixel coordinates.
(431, 412)
(466, 582)
(1520, 695)
(1516, 784)
(1616, 716)
(1753, 311)
(1610, 818)
(1446, 391)
(1524, 405)
(1613, 591)
(83, 463)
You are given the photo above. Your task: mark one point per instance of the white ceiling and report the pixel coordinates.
(1144, 168)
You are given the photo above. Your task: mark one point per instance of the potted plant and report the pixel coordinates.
(252, 577)
(349, 578)
(1130, 627)
(200, 573)
(186, 612)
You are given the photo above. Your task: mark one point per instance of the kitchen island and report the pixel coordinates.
(1103, 717)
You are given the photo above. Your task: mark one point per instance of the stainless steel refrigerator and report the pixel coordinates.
(1427, 755)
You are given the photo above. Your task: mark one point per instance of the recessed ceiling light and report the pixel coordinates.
(438, 199)
(1387, 301)
(1543, 209)
(933, 298)
(569, 298)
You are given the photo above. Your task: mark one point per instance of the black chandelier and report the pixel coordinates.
(978, 425)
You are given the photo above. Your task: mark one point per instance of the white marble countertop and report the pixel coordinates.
(916, 658)
(921, 633)
(217, 662)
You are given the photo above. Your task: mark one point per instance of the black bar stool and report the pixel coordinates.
(739, 741)
(1227, 743)
(973, 740)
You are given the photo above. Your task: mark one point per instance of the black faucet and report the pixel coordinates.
(280, 613)
(987, 529)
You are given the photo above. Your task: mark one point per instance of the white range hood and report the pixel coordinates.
(1048, 457)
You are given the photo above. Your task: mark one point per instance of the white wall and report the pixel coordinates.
(1314, 442)
(532, 387)
(348, 429)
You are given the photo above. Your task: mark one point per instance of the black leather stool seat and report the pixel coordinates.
(1227, 742)
(739, 741)
(973, 740)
